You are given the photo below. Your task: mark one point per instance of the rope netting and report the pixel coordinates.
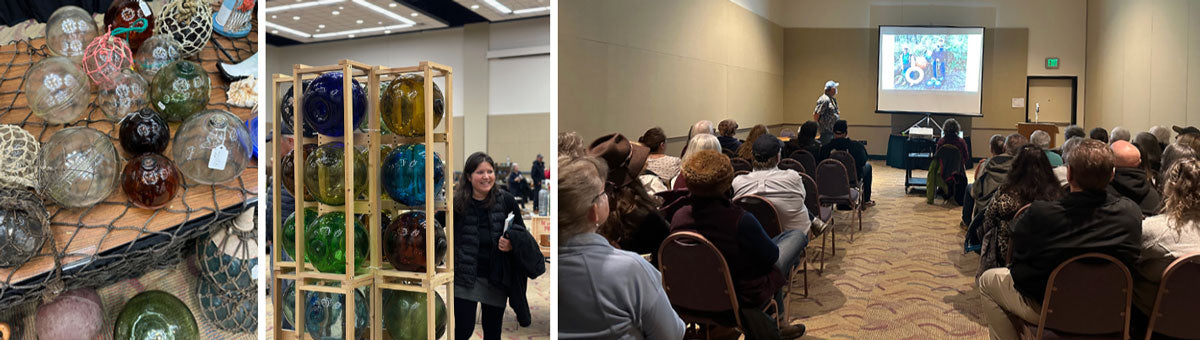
(115, 240)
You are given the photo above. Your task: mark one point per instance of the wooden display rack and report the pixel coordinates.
(379, 275)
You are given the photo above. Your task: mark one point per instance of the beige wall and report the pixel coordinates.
(627, 65)
(518, 136)
(1144, 62)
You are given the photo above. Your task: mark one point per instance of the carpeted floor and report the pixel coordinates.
(904, 276)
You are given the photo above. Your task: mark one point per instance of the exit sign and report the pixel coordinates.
(1052, 62)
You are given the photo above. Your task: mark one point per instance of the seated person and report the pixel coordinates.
(698, 143)
(1070, 132)
(666, 167)
(518, 186)
(1166, 237)
(785, 190)
(841, 141)
(1061, 170)
(743, 151)
(727, 130)
(1119, 133)
(806, 139)
(750, 254)
(1086, 220)
(950, 131)
(603, 292)
(1131, 180)
(996, 146)
(634, 223)
(1042, 140)
(1162, 134)
(1099, 134)
(1030, 180)
(995, 173)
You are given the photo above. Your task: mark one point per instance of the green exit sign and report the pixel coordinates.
(1052, 62)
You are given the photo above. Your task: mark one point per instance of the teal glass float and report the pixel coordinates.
(324, 107)
(404, 242)
(232, 311)
(179, 90)
(325, 177)
(229, 258)
(155, 315)
(402, 105)
(403, 174)
(289, 230)
(405, 314)
(325, 313)
(325, 243)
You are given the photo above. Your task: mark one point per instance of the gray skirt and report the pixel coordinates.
(483, 292)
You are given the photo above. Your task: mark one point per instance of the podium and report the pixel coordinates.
(1026, 129)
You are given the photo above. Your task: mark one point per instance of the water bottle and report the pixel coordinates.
(544, 199)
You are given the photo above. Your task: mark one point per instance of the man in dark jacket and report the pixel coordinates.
(841, 141)
(1087, 220)
(538, 173)
(1130, 179)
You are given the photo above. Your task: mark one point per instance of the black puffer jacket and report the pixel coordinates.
(1133, 183)
(469, 230)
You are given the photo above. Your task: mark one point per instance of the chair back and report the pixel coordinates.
(740, 164)
(950, 158)
(1178, 301)
(807, 160)
(1089, 294)
(729, 153)
(831, 180)
(812, 195)
(696, 278)
(848, 161)
(672, 200)
(763, 211)
(740, 172)
(792, 164)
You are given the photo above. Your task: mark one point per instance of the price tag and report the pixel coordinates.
(144, 7)
(216, 159)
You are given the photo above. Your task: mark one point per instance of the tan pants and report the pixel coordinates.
(999, 295)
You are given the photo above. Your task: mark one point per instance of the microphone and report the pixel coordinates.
(1037, 108)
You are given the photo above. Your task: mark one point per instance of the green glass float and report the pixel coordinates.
(179, 90)
(325, 243)
(325, 313)
(155, 315)
(402, 106)
(405, 314)
(324, 173)
(289, 230)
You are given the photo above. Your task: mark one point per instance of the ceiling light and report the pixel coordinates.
(341, 8)
(351, 35)
(392, 5)
(278, 27)
(336, 12)
(359, 21)
(414, 14)
(474, 6)
(388, 13)
(318, 30)
(274, 16)
(274, 31)
(531, 10)
(295, 18)
(361, 30)
(387, 32)
(321, 26)
(498, 6)
(302, 5)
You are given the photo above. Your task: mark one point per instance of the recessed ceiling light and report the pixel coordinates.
(351, 35)
(381, 23)
(498, 6)
(392, 5)
(336, 12)
(321, 26)
(274, 31)
(302, 5)
(274, 16)
(385, 12)
(340, 7)
(295, 18)
(474, 6)
(414, 14)
(285, 29)
(318, 30)
(359, 21)
(531, 10)
(387, 32)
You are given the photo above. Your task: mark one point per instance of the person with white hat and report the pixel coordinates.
(827, 112)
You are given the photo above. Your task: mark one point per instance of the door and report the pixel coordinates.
(1051, 100)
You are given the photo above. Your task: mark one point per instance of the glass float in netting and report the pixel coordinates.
(57, 90)
(325, 243)
(68, 31)
(188, 22)
(402, 105)
(105, 57)
(212, 147)
(232, 311)
(150, 180)
(23, 226)
(125, 94)
(229, 257)
(19, 153)
(179, 90)
(323, 104)
(404, 242)
(78, 167)
(156, 53)
(403, 174)
(325, 174)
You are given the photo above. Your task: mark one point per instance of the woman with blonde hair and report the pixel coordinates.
(1172, 233)
(604, 292)
(744, 151)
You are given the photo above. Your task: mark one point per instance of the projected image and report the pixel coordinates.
(930, 62)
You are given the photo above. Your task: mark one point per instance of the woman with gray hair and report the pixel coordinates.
(698, 143)
(1061, 170)
(1042, 140)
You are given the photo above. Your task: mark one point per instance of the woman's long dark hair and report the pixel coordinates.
(1032, 178)
(463, 189)
(629, 205)
(808, 133)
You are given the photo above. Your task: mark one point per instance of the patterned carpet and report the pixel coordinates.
(904, 276)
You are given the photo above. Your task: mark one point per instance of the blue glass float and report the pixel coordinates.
(403, 174)
(323, 105)
(229, 310)
(325, 313)
(286, 110)
(252, 125)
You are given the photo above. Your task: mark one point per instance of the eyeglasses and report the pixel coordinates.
(602, 193)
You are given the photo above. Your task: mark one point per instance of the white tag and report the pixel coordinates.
(145, 8)
(216, 159)
(161, 106)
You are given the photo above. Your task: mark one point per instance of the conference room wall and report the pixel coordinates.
(628, 65)
(849, 55)
(1143, 63)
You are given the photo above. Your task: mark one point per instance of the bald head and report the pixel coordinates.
(1126, 155)
(702, 127)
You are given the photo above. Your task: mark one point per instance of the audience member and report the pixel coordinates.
(604, 292)
(1099, 134)
(537, 172)
(785, 190)
(1182, 130)
(842, 141)
(518, 186)
(1190, 139)
(1119, 133)
(1147, 144)
(698, 143)
(1061, 170)
(995, 174)
(1169, 235)
(806, 139)
(1073, 131)
(1030, 180)
(744, 151)
(634, 223)
(996, 147)
(1173, 154)
(570, 145)
(750, 254)
(950, 136)
(1130, 180)
(826, 113)
(666, 167)
(700, 128)
(726, 131)
(1042, 140)
(1163, 134)
(1086, 220)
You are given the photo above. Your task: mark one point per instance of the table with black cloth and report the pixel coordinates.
(896, 152)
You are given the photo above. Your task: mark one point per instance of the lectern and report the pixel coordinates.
(1026, 129)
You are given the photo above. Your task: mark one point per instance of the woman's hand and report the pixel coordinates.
(504, 245)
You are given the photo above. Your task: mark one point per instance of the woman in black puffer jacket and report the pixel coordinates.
(480, 250)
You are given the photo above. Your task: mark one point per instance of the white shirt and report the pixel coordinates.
(785, 190)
